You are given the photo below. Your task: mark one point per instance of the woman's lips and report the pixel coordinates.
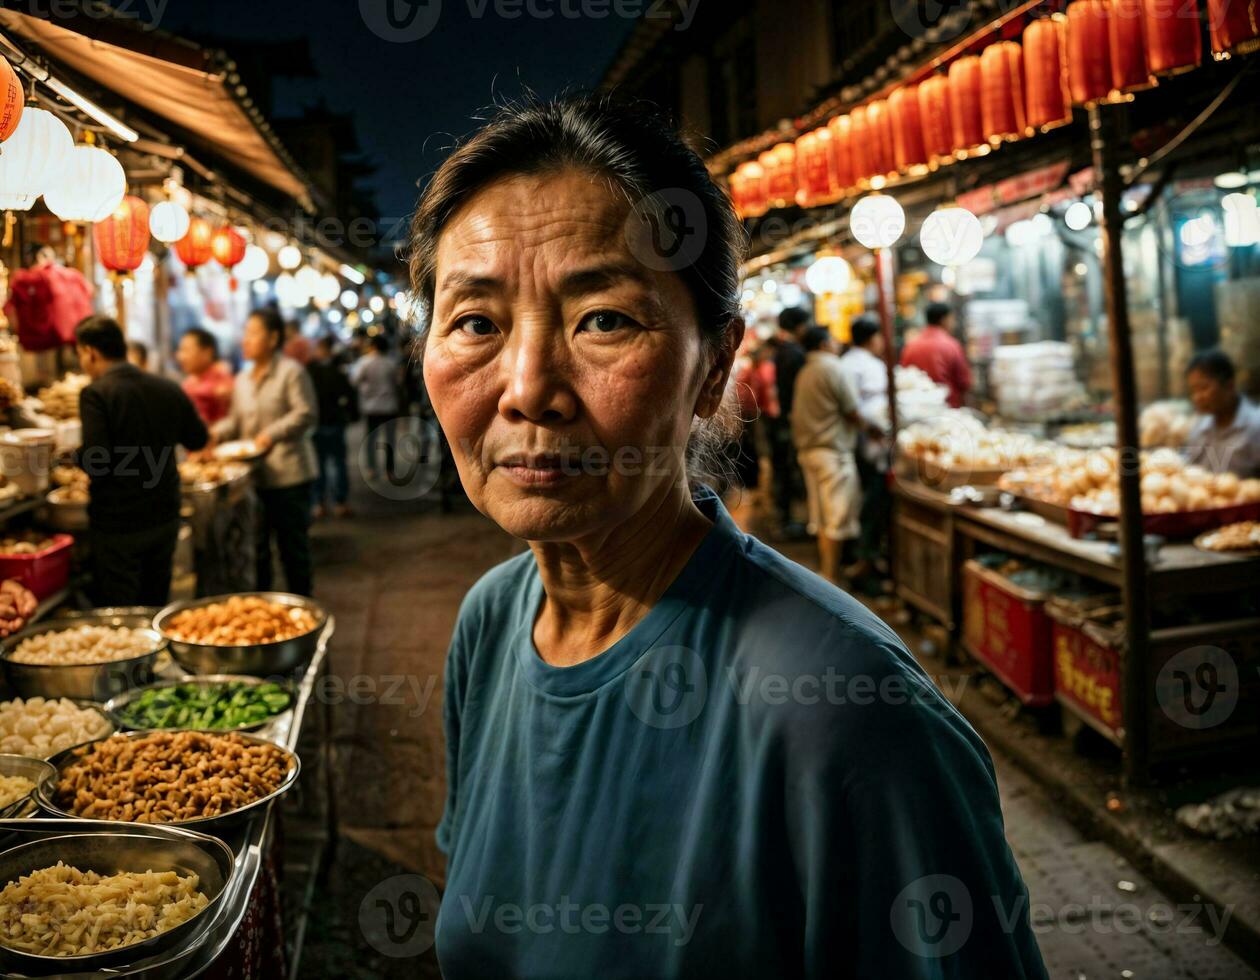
(536, 472)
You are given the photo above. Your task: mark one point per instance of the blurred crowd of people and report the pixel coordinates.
(816, 431)
(290, 402)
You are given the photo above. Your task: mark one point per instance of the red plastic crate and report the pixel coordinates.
(1087, 678)
(45, 572)
(1007, 630)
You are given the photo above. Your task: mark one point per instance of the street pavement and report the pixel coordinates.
(394, 576)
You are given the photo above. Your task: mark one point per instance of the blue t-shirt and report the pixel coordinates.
(756, 781)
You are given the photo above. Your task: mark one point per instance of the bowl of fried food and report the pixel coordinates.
(66, 505)
(74, 904)
(258, 633)
(202, 780)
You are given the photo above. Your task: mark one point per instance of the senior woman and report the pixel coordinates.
(671, 752)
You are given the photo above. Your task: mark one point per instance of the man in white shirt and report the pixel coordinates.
(863, 364)
(824, 430)
(1227, 437)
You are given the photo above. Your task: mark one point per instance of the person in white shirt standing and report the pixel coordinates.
(376, 378)
(863, 364)
(824, 430)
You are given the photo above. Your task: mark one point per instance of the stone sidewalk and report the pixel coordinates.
(394, 576)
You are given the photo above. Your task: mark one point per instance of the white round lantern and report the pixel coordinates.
(33, 158)
(168, 222)
(828, 274)
(951, 236)
(328, 290)
(288, 292)
(308, 279)
(289, 257)
(90, 188)
(254, 265)
(349, 299)
(1078, 216)
(877, 221)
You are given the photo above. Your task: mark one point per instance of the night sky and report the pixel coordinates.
(410, 98)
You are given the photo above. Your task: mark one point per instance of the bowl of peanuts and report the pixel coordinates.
(258, 633)
(88, 657)
(201, 780)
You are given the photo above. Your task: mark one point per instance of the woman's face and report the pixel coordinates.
(256, 341)
(565, 373)
(193, 358)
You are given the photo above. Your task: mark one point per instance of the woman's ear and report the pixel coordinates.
(714, 386)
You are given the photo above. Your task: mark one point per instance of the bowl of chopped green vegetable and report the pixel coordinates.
(214, 702)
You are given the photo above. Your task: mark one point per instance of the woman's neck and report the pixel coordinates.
(596, 590)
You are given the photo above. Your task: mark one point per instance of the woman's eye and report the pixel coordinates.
(604, 321)
(476, 326)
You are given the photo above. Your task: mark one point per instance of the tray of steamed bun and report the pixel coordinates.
(1179, 500)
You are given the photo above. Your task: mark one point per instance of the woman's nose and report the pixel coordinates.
(538, 379)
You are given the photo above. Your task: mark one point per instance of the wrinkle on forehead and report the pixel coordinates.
(529, 210)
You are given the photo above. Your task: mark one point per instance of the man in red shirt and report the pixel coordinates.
(939, 355)
(207, 380)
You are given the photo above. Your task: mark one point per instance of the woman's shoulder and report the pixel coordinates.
(815, 661)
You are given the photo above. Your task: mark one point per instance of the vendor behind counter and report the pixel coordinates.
(1226, 439)
(132, 422)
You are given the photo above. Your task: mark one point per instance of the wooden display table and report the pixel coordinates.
(934, 538)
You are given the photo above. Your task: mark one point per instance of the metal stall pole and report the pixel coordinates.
(884, 287)
(1137, 667)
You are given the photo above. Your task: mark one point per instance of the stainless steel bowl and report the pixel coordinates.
(36, 770)
(116, 705)
(85, 682)
(259, 659)
(110, 853)
(45, 793)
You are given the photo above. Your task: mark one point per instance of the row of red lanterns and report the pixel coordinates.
(1099, 51)
(122, 240)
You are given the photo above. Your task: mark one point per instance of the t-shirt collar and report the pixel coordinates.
(684, 593)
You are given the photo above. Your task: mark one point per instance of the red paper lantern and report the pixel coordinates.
(123, 238)
(883, 157)
(860, 140)
(196, 247)
(934, 114)
(1047, 97)
(964, 105)
(748, 190)
(908, 151)
(814, 177)
(1002, 92)
(1234, 26)
(1172, 35)
(1089, 47)
(12, 100)
(779, 163)
(1127, 34)
(228, 246)
(845, 176)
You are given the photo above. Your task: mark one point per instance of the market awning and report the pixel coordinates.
(179, 82)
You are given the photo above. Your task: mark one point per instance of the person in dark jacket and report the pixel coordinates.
(132, 422)
(789, 358)
(335, 398)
